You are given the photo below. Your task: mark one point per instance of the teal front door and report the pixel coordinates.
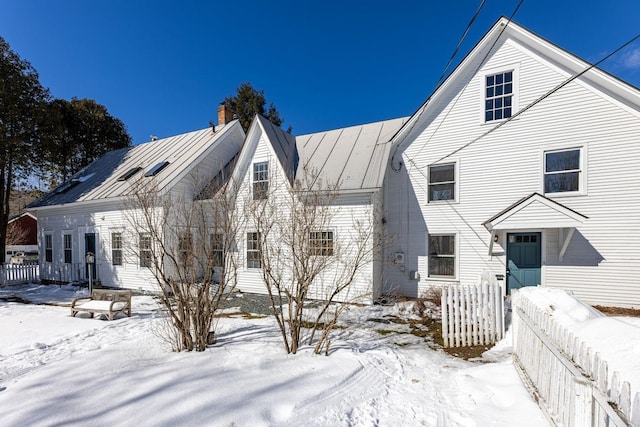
(523, 260)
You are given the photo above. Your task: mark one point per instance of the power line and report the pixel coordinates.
(464, 35)
(538, 100)
(480, 64)
(424, 106)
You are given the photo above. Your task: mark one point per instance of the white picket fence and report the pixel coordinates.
(568, 379)
(15, 274)
(472, 314)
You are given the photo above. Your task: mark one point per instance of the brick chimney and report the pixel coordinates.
(225, 115)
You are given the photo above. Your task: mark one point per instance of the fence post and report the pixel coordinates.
(582, 403)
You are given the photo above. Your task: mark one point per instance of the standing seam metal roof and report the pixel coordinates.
(101, 177)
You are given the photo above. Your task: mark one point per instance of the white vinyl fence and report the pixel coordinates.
(472, 314)
(568, 380)
(16, 274)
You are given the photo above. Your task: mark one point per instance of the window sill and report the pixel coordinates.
(561, 194)
(442, 279)
(443, 202)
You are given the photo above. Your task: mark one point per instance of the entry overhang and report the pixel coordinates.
(536, 212)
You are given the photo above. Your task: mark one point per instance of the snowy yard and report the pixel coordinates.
(59, 370)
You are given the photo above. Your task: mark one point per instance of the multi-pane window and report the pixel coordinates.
(562, 171)
(217, 250)
(68, 251)
(145, 250)
(253, 250)
(116, 248)
(48, 248)
(442, 182)
(442, 255)
(498, 96)
(185, 248)
(321, 243)
(260, 180)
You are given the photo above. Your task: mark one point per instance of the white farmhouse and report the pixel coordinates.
(349, 165)
(88, 212)
(522, 166)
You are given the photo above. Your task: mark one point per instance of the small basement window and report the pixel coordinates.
(156, 169)
(128, 174)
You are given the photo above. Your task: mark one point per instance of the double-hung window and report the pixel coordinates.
(498, 103)
(562, 171)
(260, 180)
(185, 249)
(321, 243)
(442, 255)
(253, 250)
(68, 251)
(144, 246)
(48, 248)
(217, 250)
(442, 182)
(116, 248)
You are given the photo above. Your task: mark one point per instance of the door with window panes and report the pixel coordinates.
(523, 260)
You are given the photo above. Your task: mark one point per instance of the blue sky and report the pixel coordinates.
(163, 67)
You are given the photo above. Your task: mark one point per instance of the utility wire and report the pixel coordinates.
(440, 81)
(538, 100)
(464, 35)
(480, 64)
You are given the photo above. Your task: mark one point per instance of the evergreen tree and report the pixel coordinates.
(74, 134)
(22, 99)
(247, 102)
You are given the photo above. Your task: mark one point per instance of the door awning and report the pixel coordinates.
(536, 212)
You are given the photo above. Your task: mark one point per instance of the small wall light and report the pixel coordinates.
(495, 238)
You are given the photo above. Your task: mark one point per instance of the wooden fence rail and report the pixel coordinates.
(472, 314)
(569, 380)
(15, 274)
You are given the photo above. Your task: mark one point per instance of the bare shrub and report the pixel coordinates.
(185, 242)
(301, 257)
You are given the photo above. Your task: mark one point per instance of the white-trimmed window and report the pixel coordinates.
(563, 171)
(253, 250)
(116, 248)
(185, 249)
(499, 96)
(260, 180)
(217, 250)
(442, 255)
(48, 248)
(321, 243)
(442, 182)
(144, 246)
(68, 248)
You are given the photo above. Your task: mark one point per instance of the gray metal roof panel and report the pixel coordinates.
(355, 157)
(100, 179)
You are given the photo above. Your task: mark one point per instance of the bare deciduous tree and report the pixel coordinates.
(303, 255)
(187, 243)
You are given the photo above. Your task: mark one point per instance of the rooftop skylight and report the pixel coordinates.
(128, 174)
(156, 169)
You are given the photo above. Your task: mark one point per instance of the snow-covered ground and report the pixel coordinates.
(59, 370)
(617, 339)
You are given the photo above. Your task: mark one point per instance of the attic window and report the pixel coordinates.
(128, 174)
(499, 96)
(156, 169)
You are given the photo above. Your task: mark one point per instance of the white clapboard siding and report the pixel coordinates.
(472, 314)
(602, 262)
(12, 274)
(569, 380)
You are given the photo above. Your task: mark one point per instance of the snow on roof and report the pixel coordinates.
(111, 175)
